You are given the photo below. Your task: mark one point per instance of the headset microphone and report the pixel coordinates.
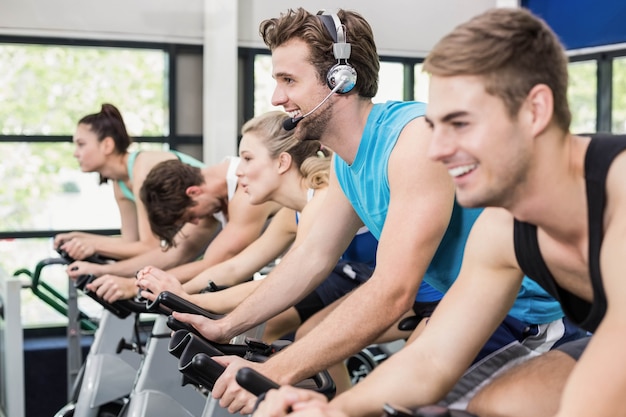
(291, 122)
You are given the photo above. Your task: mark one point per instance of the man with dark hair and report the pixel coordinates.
(168, 208)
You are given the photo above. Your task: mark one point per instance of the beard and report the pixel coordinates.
(313, 127)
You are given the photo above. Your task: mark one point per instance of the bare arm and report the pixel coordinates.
(325, 229)
(191, 240)
(425, 370)
(245, 224)
(272, 243)
(136, 235)
(224, 301)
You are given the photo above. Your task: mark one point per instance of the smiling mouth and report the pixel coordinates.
(294, 114)
(461, 170)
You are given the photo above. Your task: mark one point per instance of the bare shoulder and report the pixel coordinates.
(492, 237)
(415, 137)
(147, 160)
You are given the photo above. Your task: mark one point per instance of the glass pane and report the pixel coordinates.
(45, 90)
(50, 192)
(391, 82)
(619, 95)
(264, 85)
(582, 93)
(420, 90)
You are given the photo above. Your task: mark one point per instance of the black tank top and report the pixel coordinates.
(601, 152)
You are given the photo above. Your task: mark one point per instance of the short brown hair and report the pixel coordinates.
(513, 51)
(308, 27)
(163, 193)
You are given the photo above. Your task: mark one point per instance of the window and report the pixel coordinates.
(44, 91)
(422, 81)
(264, 84)
(391, 82)
(582, 92)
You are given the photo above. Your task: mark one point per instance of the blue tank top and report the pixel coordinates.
(366, 185)
(131, 163)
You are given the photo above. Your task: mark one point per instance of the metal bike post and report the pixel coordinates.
(74, 353)
(11, 348)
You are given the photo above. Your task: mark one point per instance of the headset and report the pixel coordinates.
(341, 78)
(342, 71)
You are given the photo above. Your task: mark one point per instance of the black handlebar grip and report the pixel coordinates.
(254, 382)
(166, 302)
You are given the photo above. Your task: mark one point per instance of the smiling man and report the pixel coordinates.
(326, 71)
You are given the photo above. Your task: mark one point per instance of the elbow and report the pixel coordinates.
(403, 301)
(395, 303)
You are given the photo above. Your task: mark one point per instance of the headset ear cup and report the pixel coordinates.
(341, 72)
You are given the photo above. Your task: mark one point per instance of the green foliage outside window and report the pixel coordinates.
(582, 93)
(45, 90)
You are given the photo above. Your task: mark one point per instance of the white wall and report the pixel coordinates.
(402, 27)
(142, 20)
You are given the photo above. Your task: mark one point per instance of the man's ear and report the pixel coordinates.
(541, 106)
(284, 162)
(193, 191)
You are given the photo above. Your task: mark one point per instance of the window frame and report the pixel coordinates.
(172, 139)
(604, 88)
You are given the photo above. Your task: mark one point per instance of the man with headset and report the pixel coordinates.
(381, 177)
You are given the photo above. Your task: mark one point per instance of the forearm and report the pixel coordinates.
(217, 274)
(282, 288)
(225, 301)
(227, 274)
(156, 257)
(401, 380)
(212, 257)
(187, 273)
(348, 329)
(117, 248)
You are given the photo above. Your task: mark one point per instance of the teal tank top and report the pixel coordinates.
(131, 163)
(366, 185)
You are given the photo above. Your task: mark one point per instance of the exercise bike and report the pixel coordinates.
(109, 370)
(195, 353)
